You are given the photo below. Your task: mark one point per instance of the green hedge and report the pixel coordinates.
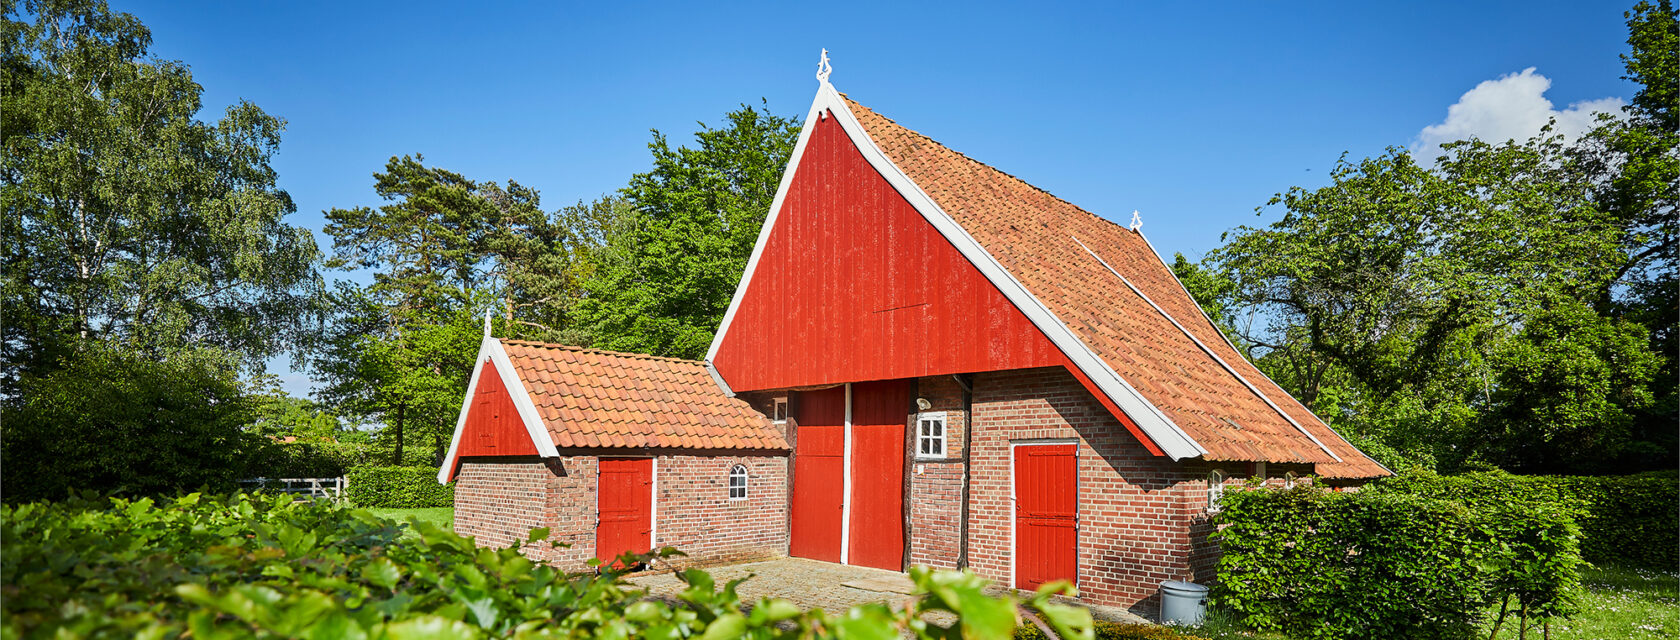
(397, 488)
(1316, 564)
(1625, 520)
(244, 566)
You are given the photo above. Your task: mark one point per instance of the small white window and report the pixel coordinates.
(1216, 489)
(737, 482)
(930, 435)
(778, 411)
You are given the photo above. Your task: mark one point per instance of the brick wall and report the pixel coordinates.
(697, 516)
(936, 485)
(499, 500)
(1142, 519)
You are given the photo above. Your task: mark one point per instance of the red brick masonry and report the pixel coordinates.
(499, 500)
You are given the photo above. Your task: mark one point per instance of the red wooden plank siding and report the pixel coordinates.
(493, 426)
(879, 412)
(1046, 514)
(853, 284)
(814, 530)
(625, 507)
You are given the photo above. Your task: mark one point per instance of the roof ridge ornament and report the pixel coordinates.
(823, 68)
(1137, 221)
(487, 322)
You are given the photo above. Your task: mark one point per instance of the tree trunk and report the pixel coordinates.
(398, 456)
(1504, 610)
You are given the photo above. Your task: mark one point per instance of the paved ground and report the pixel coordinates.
(812, 584)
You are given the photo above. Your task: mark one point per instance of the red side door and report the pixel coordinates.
(818, 483)
(625, 498)
(879, 411)
(1046, 514)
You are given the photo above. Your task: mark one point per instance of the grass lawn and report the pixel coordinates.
(440, 516)
(1618, 604)
(1623, 603)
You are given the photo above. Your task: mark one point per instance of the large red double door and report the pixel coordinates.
(860, 523)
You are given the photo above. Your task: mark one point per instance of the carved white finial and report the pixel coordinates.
(1137, 220)
(486, 323)
(823, 68)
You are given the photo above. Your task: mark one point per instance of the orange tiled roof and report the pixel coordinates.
(1032, 234)
(594, 398)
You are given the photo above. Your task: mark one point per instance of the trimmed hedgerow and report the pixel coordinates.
(1317, 564)
(397, 488)
(1624, 520)
(1386, 564)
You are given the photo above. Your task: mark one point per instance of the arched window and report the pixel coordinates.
(1216, 489)
(738, 482)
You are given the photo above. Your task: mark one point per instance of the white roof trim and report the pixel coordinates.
(1171, 439)
(1228, 368)
(490, 350)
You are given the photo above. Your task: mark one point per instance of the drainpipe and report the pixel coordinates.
(968, 463)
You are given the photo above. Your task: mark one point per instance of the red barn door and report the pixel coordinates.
(1046, 514)
(879, 411)
(818, 482)
(625, 498)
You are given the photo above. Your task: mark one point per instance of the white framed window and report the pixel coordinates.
(930, 435)
(738, 482)
(778, 410)
(1215, 489)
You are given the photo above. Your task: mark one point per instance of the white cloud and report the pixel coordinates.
(1512, 107)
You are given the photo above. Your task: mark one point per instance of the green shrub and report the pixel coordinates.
(1317, 564)
(397, 488)
(1624, 520)
(250, 566)
(310, 459)
(116, 422)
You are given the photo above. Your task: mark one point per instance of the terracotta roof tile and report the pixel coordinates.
(594, 398)
(1033, 235)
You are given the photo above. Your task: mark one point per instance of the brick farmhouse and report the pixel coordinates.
(927, 361)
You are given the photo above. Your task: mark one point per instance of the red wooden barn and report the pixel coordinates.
(949, 367)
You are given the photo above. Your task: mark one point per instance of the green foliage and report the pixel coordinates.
(1316, 564)
(240, 566)
(128, 220)
(111, 421)
(1568, 387)
(313, 459)
(669, 274)
(1114, 631)
(397, 488)
(1624, 520)
(446, 248)
(1513, 304)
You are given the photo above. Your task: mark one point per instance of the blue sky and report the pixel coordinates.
(1193, 114)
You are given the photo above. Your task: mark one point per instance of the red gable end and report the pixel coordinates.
(853, 284)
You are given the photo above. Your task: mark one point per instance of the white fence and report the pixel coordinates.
(312, 488)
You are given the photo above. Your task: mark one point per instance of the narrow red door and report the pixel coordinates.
(625, 499)
(879, 411)
(818, 485)
(1046, 514)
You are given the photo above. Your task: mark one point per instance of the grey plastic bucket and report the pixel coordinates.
(1182, 602)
